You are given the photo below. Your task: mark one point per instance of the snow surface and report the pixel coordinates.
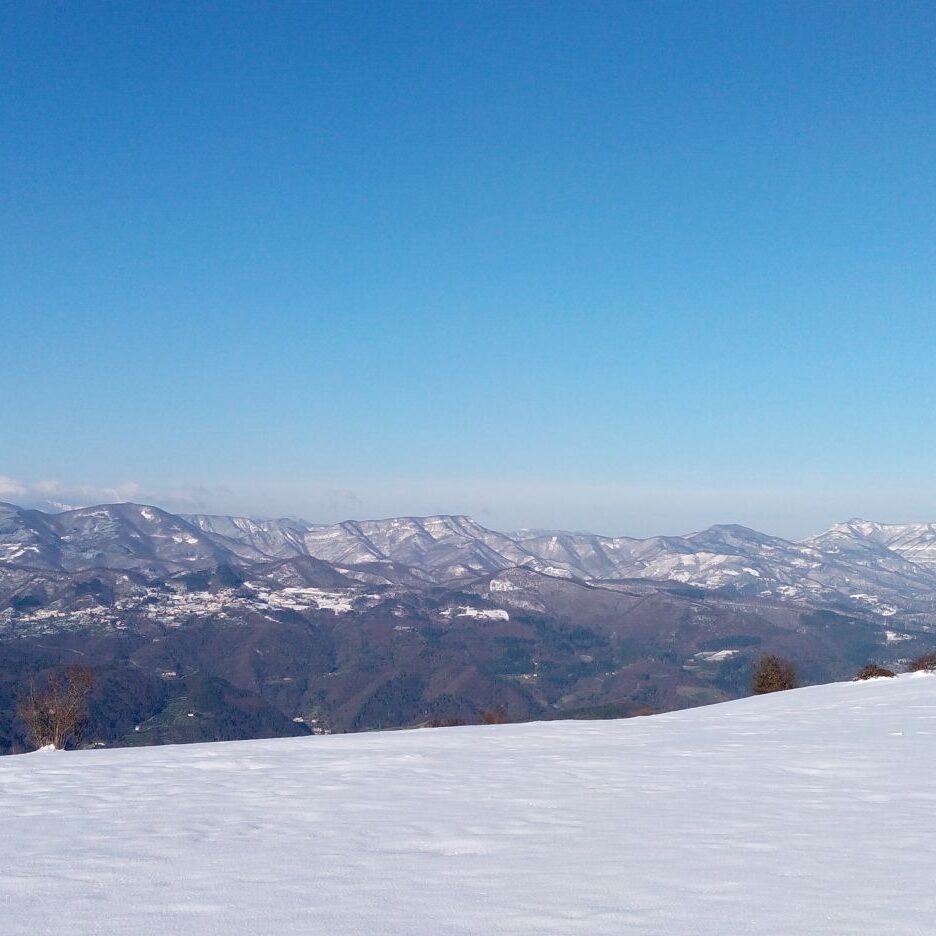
(716, 656)
(482, 614)
(805, 812)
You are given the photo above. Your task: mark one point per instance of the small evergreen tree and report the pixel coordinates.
(773, 674)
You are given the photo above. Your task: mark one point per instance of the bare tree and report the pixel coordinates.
(56, 711)
(873, 671)
(494, 716)
(924, 663)
(773, 674)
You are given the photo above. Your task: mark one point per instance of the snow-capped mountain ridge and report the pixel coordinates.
(915, 542)
(880, 566)
(114, 536)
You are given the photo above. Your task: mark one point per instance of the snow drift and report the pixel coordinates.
(803, 812)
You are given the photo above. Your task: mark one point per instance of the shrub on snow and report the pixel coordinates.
(873, 671)
(926, 662)
(773, 674)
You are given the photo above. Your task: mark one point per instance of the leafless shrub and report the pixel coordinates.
(773, 674)
(925, 662)
(873, 671)
(494, 716)
(56, 711)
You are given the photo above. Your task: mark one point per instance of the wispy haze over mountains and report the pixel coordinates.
(608, 509)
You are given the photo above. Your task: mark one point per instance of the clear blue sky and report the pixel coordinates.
(629, 267)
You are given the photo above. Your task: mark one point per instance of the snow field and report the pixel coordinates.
(805, 812)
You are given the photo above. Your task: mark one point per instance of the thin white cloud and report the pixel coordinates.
(63, 495)
(10, 487)
(791, 510)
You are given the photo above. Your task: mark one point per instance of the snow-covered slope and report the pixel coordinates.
(807, 812)
(449, 546)
(734, 559)
(280, 539)
(109, 536)
(914, 542)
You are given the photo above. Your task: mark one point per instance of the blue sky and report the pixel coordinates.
(629, 267)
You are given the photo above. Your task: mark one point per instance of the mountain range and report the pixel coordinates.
(889, 568)
(217, 627)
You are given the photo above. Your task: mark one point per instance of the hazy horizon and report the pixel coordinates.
(504, 513)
